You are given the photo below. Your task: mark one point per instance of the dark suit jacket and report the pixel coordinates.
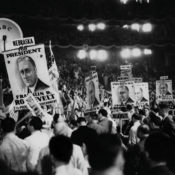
(168, 126)
(159, 170)
(168, 93)
(143, 99)
(40, 85)
(129, 101)
(96, 103)
(104, 126)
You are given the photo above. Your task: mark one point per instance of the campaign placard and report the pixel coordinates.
(92, 91)
(122, 93)
(22, 42)
(164, 90)
(28, 73)
(141, 94)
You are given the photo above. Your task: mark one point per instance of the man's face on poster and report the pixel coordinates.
(163, 88)
(123, 93)
(28, 72)
(91, 92)
(139, 94)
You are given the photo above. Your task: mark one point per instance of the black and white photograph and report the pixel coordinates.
(87, 87)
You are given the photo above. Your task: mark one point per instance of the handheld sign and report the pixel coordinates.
(92, 91)
(28, 73)
(29, 41)
(123, 93)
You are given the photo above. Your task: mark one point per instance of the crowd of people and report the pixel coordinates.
(91, 145)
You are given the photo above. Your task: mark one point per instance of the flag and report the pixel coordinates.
(54, 75)
(53, 70)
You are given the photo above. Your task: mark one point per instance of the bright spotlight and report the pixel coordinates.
(125, 53)
(136, 52)
(125, 26)
(123, 1)
(147, 51)
(135, 26)
(80, 27)
(92, 27)
(81, 54)
(147, 27)
(102, 55)
(93, 54)
(101, 26)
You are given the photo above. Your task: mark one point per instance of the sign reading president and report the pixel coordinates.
(28, 73)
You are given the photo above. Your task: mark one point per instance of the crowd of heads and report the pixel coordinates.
(145, 141)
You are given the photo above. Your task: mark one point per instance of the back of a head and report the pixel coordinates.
(163, 107)
(81, 120)
(8, 125)
(103, 112)
(36, 122)
(129, 107)
(143, 131)
(55, 118)
(157, 146)
(155, 119)
(105, 151)
(62, 128)
(141, 112)
(61, 148)
(136, 116)
(84, 135)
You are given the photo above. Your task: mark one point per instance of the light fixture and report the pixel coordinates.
(125, 53)
(102, 55)
(101, 26)
(135, 26)
(82, 54)
(147, 51)
(147, 27)
(92, 27)
(93, 54)
(80, 27)
(136, 52)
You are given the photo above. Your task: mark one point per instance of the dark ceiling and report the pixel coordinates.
(90, 9)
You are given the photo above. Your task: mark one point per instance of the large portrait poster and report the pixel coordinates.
(141, 94)
(92, 91)
(164, 90)
(28, 73)
(123, 93)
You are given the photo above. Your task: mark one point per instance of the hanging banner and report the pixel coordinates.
(164, 90)
(92, 90)
(141, 94)
(28, 73)
(122, 93)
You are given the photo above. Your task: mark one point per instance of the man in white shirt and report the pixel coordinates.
(36, 142)
(133, 139)
(77, 159)
(61, 157)
(13, 150)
